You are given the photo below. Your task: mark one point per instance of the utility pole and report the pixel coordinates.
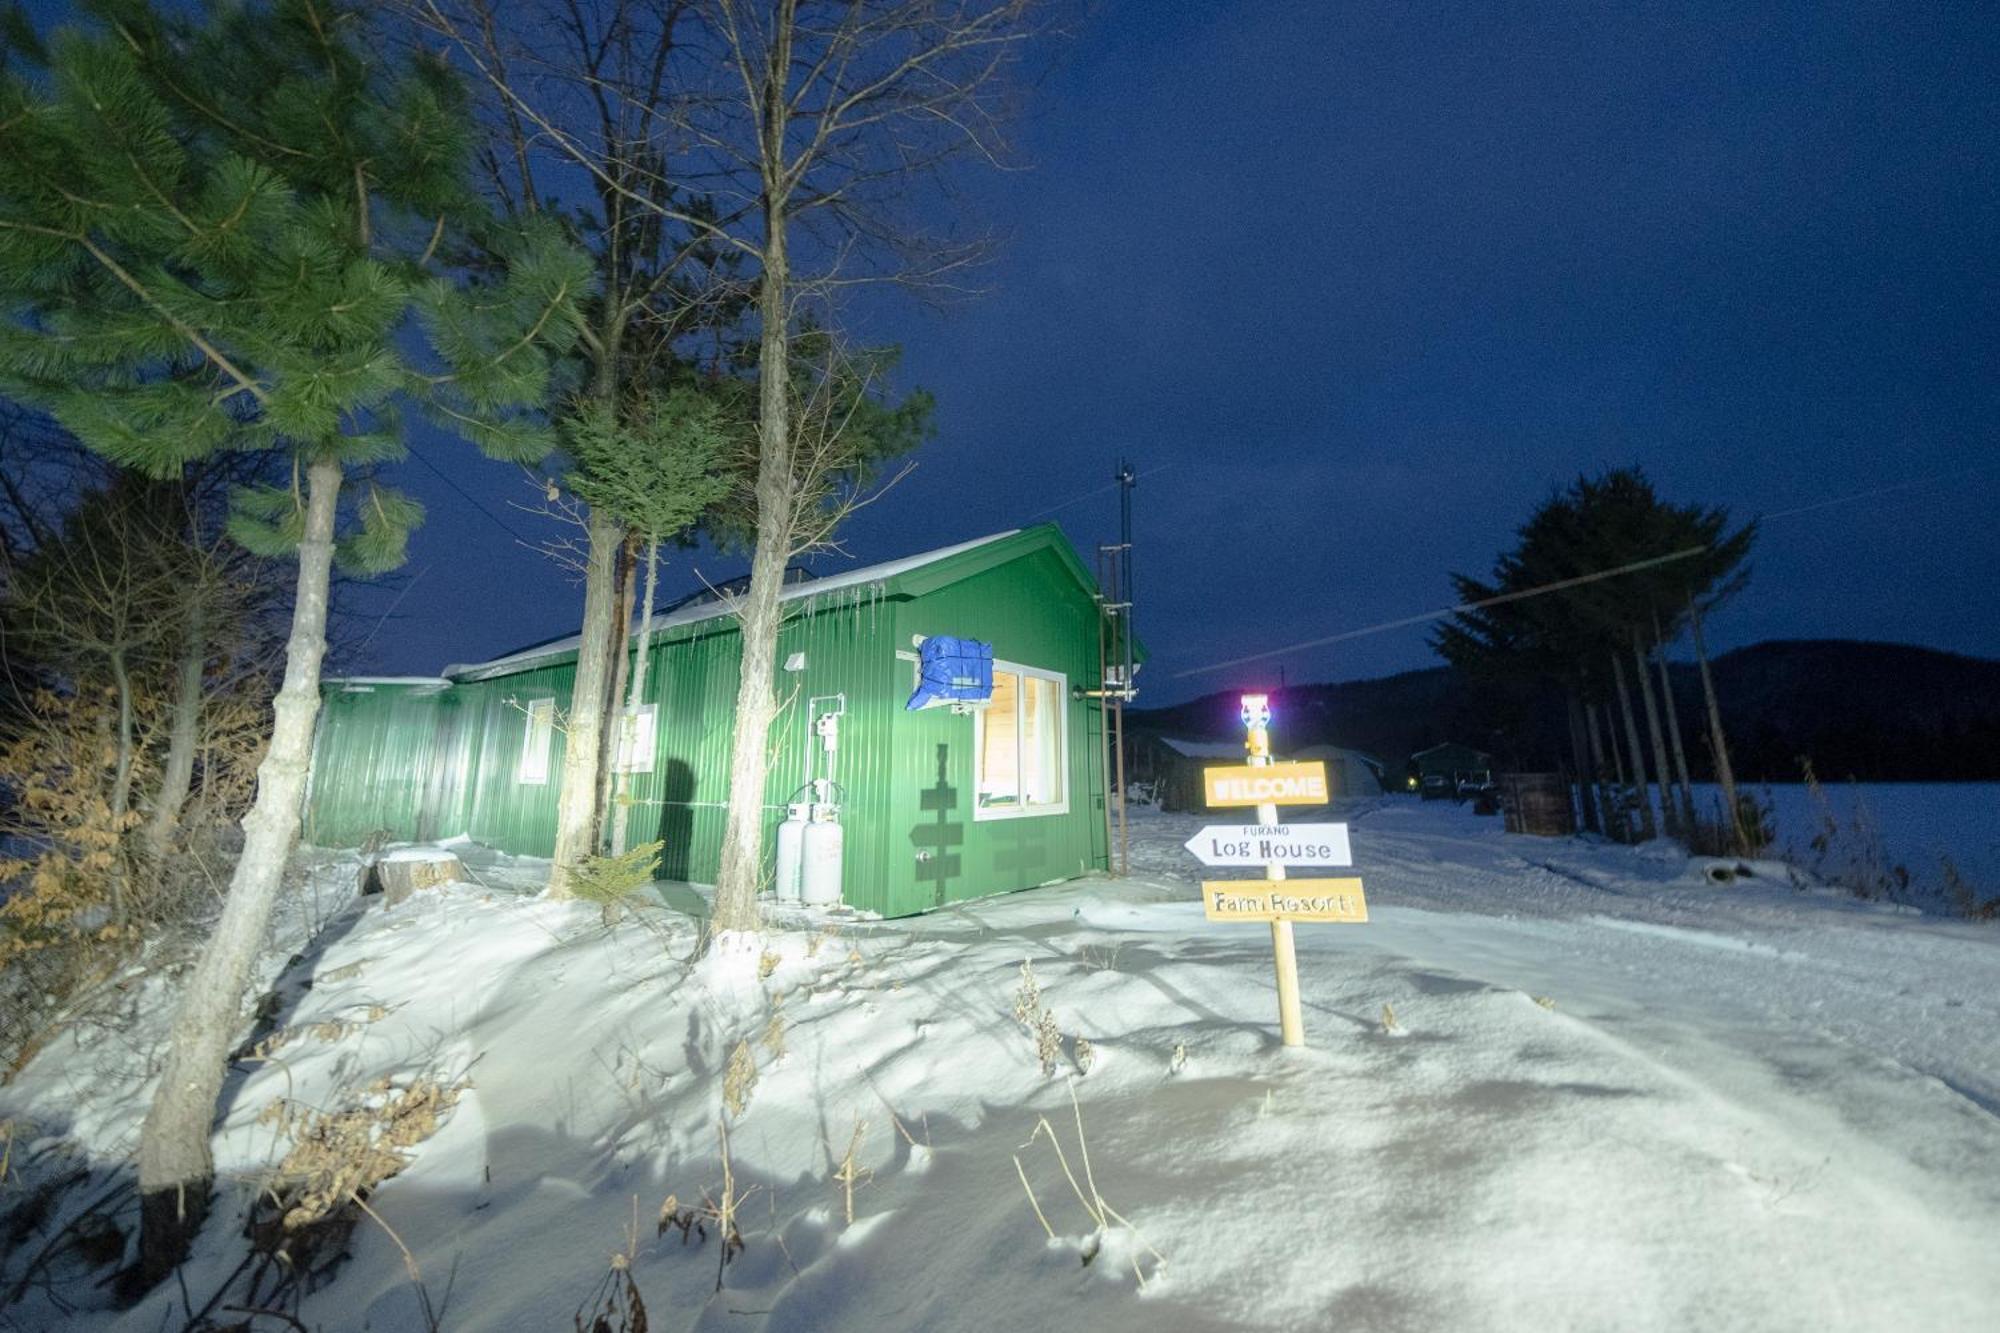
(1115, 668)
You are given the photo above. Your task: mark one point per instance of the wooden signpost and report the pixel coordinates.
(1274, 846)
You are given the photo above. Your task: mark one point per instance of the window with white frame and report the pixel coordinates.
(534, 768)
(1020, 745)
(635, 739)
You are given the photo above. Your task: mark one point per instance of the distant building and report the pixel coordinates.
(1349, 773)
(1438, 769)
(1173, 767)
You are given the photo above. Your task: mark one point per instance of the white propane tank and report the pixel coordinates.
(824, 841)
(791, 852)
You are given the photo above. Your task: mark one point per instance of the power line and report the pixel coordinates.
(446, 478)
(1516, 596)
(1092, 495)
(1871, 493)
(1889, 489)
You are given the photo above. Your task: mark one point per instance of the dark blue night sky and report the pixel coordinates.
(1354, 286)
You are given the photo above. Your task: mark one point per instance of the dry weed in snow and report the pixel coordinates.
(1027, 996)
(1101, 1213)
(1040, 1022)
(337, 1156)
(615, 1306)
(739, 1081)
(849, 1172)
(774, 1030)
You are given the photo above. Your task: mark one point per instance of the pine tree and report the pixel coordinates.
(1580, 637)
(228, 232)
(657, 472)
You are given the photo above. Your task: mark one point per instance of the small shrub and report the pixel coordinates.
(1965, 900)
(613, 881)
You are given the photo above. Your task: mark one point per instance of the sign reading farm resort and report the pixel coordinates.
(1284, 900)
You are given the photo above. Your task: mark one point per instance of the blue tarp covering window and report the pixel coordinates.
(951, 669)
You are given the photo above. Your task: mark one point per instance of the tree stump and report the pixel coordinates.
(400, 874)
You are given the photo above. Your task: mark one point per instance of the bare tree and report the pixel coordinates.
(584, 99)
(824, 115)
(805, 129)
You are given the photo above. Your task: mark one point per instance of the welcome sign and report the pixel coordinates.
(1269, 784)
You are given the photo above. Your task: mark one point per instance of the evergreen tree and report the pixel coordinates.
(1579, 636)
(656, 473)
(226, 232)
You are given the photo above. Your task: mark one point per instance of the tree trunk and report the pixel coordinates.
(1669, 819)
(1580, 757)
(761, 614)
(175, 1168)
(620, 648)
(1674, 728)
(121, 779)
(621, 808)
(177, 773)
(1647, 830)
(1607, 810)
(576, 801)
(1725, 776)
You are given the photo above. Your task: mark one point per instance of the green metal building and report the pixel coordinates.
(938, 805)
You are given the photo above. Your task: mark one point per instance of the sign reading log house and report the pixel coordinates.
(1283, 900)
(1266, 784)
(1265, 844)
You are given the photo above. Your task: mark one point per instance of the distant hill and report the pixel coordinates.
(1870, 711)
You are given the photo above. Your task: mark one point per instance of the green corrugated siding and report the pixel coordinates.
(907, 778)
(499, 809)
(371, 762)
(1033, 613)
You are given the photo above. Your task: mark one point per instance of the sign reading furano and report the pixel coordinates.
(1272, 844)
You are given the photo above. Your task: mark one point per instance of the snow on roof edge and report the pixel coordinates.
(1203, 749)
(693, 615)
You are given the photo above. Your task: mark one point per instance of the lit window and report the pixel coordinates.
(535, 747)
(1020, 746)
(635, 740)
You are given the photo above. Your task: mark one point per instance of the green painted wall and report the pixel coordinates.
(433, 762)
(1033, 614)
(372, 760)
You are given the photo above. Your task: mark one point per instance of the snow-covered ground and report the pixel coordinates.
(1613, 1096)
(1917, 824)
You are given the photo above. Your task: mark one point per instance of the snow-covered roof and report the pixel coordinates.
(1204, 749)
(1359, 756)
(692, 615)
(1447, 745)
(386, 680)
